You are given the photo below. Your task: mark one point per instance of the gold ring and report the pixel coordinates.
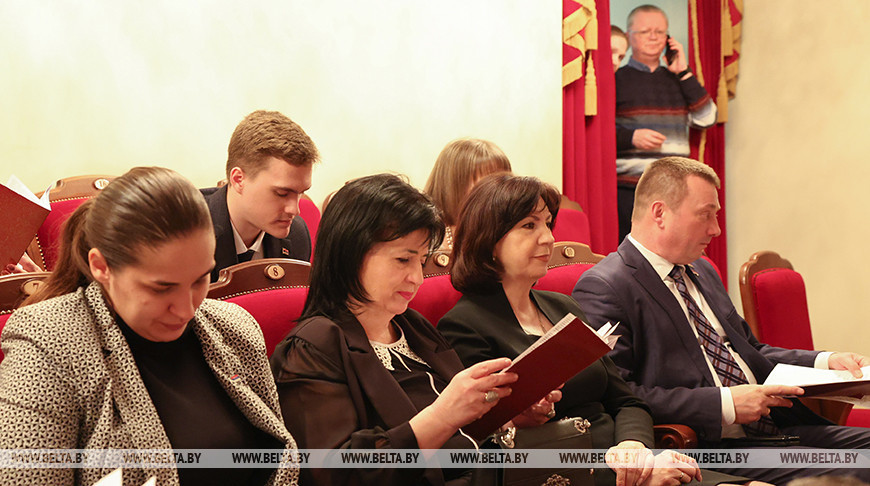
(551, 413)
(490, 396)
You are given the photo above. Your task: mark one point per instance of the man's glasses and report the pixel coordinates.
(650, 32)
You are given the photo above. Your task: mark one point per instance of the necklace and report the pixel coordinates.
(536, 324)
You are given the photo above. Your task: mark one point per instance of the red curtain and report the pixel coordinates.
(705, 55)
(589, 142)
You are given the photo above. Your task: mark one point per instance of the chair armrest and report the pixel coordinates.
(834, 411)
(675, 436)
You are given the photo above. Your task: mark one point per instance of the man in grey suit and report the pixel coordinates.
(684, 349)
(255, 215)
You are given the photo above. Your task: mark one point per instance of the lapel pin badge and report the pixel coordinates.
(236, 377)
(285, 252)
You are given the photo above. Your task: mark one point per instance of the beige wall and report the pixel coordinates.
(382, 85)
(797, 161)
(100, 86)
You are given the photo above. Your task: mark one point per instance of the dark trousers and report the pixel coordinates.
(813, 436)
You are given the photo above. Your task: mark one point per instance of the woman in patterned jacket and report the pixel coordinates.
(119, 349)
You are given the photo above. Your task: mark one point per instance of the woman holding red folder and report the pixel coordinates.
(501, 248)
(361, 370)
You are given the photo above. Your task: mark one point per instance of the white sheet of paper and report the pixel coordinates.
(16, 185)
(114, 478)
(606, 334)
(786, 374)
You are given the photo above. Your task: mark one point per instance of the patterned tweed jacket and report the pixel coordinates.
(69, 381)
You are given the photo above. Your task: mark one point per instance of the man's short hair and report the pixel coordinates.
(617, 32)
(643, 8)
(665, 180)
(264, 134)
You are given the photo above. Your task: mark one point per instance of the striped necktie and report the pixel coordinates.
(721, 358)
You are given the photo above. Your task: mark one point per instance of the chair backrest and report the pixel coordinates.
(13, 290)
(17, 287)
(65, 197)
(572, 225)
(276, 311)
(435, 297)
(259, 275)
(568, 261)
(715, 267)
(309, 212)
(3, 319)
(775, 301)
(440, 262)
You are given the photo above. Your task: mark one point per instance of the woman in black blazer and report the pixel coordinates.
(502, 247)
(360, 370)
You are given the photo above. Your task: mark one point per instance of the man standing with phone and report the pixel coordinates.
(655, 103)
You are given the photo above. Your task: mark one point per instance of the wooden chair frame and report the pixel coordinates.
(440, 262)
(260, 275)
(76, 187)
(571, 253)
(17, 287)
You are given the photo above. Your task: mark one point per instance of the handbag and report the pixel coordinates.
(568, 433)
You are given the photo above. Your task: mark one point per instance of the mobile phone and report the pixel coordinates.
(670, 54)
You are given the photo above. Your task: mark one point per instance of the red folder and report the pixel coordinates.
(20, 218)
(565, 350)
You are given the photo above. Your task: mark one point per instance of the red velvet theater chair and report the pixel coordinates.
(65, 197)
(309, 212)
(571, 223)
(568, 261)
(436, 295)
(273, 290)
(775, 307)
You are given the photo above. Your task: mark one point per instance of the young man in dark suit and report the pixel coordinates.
(684, 349)
(255, 215)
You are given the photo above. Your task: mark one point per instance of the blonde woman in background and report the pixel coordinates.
(459, 166)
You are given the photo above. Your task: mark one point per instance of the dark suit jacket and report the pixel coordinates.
(482, 327)
(296, 245)
(658, 353)
(335, 393)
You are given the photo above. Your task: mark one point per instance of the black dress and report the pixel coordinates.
(195, 410)
(482, 327)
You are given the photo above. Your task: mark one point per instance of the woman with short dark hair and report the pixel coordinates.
(361, 370)
(121, 350)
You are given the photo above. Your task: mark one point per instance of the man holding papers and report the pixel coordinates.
(684, 349)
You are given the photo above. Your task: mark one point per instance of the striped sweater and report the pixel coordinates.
(659, 101)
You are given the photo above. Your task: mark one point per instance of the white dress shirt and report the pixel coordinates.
(257, 245)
